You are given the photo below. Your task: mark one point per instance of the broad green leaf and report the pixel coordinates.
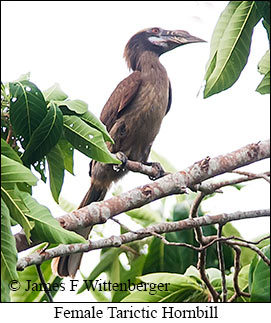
(54, 93)
(264, 86)
(105, 262)
(192, 271)
(77, 106)
(47, 228)
(267, 28)
(176, 288)
(5, 292)
(24, 77)
(14, 172)
(45, 137)
(167, 166)
(87, 140)
(67, 153)
(260, 287)
(230, 46)
(56, 171)
(264, 64)
(243, 278)
(29, 280)
(27, 109)
(94, 122)
(17, 208)
(39, 166)
(145, 216)
(9, 152)
(66, 205)
(126, 276)
(8, 247)
(264, 9)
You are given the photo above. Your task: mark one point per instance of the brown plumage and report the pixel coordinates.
(132, 115)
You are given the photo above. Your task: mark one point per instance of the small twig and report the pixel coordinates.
(237, 267)
(9, 137)
(251, 242)
(254, 176)
(252, 247)
(204, 277)
(221, 264)
(44, 285)
(176, 244)
(122, 225)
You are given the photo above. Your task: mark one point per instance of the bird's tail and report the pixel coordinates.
(68, 265)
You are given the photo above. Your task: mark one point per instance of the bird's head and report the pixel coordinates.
(156, 40)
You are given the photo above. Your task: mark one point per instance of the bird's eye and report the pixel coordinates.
(155, 30)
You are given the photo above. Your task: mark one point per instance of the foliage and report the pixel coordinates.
(39, 128)
(230, 46)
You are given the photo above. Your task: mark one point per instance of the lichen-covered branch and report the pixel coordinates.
(177, 183)
(117, 241)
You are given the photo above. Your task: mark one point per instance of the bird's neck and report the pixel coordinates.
(149, 61)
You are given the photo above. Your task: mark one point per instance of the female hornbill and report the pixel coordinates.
(132, 115)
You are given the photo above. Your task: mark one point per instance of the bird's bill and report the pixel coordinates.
(180, 37)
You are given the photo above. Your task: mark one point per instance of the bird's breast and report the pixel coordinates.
(136, 129)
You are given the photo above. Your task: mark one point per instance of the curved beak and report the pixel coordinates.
(180, 37)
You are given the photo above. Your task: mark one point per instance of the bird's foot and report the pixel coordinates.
(123, 158)
(158, 170)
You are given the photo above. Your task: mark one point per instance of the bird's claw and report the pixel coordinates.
(123, 158)
(158, 169)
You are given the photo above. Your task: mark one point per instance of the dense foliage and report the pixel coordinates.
(41, 129)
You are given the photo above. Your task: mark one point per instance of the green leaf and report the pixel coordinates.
(264, 64)
(27, 109)
(67, 153)
(47, 228)
(264, 86)
(66, 205)
(176, 288)
(5, 291)
(260, 288)
(17, 208)
(9, 152)
(94, 122)
(45, 136)
(105, 262)
(39, 166)
(56, 168)
(77, 106)
(23, 77)
(230, 46)
(166, 164)
(54, 93)
(87, 140)
(8, 247)
(145, 216)
(264, 9)
(136, 266)
(14, 172)
(29, 280)
(267, 28)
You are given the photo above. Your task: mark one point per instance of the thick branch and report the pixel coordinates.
(100, 212)
(117, 241)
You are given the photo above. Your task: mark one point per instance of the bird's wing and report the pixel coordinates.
(120, 98)
(169, 97)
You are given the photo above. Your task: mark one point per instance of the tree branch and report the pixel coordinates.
(117, 241)
(100, 212)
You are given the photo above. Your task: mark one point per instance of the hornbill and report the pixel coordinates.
(132, 115)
